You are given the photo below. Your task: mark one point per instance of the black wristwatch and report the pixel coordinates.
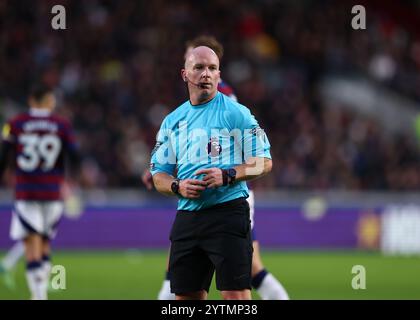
(175, 186)
(229, 176)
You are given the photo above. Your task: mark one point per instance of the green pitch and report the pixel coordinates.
(305, 275)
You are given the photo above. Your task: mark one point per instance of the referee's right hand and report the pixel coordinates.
(191, 188)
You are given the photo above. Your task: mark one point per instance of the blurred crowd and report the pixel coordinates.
(117, 65)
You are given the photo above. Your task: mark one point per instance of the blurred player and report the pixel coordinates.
(267, 286)
(37, 142)
(73, 209)
(9, 262)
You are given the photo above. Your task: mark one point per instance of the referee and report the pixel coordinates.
(215, 145)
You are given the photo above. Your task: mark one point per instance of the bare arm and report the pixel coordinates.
(162, 182)
(254, 168)
(147, 179)
(188, 188)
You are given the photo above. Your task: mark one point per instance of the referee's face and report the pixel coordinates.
(202, 73)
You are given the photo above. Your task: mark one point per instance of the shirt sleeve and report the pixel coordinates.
(255, 140)
(163, 157)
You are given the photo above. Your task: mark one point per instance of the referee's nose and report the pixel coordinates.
(206, 73)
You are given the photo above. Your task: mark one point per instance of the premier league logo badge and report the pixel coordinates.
(214, 149)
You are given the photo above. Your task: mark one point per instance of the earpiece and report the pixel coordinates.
(195, 84)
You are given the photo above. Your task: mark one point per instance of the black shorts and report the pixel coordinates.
(217, 238)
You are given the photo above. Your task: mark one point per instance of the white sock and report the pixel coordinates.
(271, 289)
(47, 266)
(35, 276)
(13, 255)
(165, 291)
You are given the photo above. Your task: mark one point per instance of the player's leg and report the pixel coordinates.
(28, 224)
(46, 258)
(13, 255)
(165, 291)
(267, 286)
(9, 262)
(52, 213)
(35, 275)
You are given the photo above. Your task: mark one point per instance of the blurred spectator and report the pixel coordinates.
(115, 68)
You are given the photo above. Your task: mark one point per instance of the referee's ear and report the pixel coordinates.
(184, 75)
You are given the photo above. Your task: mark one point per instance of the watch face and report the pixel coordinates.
(232, 172)
(175, 186)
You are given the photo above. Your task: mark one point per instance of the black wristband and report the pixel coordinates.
(231, 176)
(225, 177)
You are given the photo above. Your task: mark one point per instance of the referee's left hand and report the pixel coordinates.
(213, 177)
